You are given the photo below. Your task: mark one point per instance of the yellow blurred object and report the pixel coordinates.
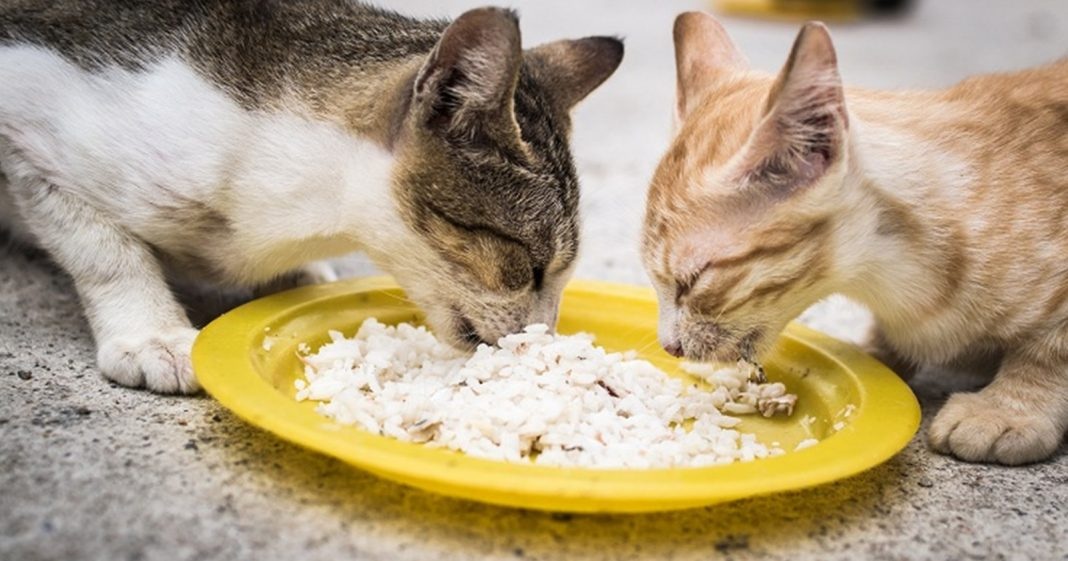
(862, 412)
(829, 10)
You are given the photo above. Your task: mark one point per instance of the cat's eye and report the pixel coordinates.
(681, 289)
(539, 277)
(685, 285)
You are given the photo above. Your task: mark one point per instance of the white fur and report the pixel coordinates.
(130, 144)
(882, 272)
(111, 170)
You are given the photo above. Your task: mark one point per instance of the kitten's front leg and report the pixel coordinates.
(143, 335)
(1019, 418)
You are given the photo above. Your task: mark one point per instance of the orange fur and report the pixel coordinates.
(945, 212)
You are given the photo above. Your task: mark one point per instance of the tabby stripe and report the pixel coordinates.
(808, 275)
(770, 250)
(710, 303)
(764, 290)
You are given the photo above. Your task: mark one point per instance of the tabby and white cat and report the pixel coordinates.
(945, 212)
(243, 141)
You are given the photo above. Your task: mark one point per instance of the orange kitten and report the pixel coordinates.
(945, 212)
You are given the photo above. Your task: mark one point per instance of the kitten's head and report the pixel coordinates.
(741, 220)
(485, 180)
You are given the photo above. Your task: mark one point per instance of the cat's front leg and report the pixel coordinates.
(143, 335)
(1019, 418)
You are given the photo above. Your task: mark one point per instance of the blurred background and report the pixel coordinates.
(623, 127)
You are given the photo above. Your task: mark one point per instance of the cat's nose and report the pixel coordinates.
(547, 312)
(673, 348)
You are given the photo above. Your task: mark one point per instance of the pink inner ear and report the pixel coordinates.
(812, 166)
(779, 162)
(805, 120)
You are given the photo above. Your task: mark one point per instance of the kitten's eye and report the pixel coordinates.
(680, 290)
(684, 286)
(539, 277)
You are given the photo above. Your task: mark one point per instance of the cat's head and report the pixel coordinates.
(742, 217)
(485, 179)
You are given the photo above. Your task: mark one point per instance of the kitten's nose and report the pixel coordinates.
(547, 312)
(673, 348)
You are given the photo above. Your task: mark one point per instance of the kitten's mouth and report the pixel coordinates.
(748, 345)
(466, 331)
(744, 348)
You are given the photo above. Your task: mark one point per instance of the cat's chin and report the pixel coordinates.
(713, 356)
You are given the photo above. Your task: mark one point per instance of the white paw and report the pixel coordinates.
(159, 362)
(977, 428)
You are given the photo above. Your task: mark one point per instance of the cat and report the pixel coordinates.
(243, 142)
(945, 212)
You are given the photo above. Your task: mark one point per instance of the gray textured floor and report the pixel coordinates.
(91, 471)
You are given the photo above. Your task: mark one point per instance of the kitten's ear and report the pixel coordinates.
(703, 52)
(575, 67)
(469, 78)
(804, 126)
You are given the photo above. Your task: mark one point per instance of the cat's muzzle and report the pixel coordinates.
(709, 342)
(466, 332)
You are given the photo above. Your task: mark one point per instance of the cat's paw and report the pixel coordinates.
(159, 362)
(977, 428)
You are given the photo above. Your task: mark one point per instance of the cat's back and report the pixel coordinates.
(1012, 126)
(1019, 111)
(251, 48)
(100, 33)
(150, 111)
(996, 107)
(1037, 86)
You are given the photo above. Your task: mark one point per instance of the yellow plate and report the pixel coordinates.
(829, 376)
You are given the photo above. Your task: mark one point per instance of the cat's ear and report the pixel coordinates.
(703, 53)
(468, 81)
(803, 129)
(573, 68)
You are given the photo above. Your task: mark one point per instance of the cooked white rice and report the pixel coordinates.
(551, 399)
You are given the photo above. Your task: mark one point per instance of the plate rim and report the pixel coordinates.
(231, 378)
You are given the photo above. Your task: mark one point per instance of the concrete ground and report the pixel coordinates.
(93, 471)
